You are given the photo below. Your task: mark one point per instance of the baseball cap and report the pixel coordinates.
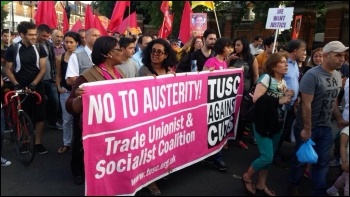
(334, 46)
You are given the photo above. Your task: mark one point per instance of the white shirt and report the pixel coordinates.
(253, 49)
(73, 66)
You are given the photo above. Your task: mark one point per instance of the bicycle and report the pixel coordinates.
(20, 124)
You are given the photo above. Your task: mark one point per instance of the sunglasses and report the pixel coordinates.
(157, 52)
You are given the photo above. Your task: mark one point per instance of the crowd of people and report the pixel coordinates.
(302, 95)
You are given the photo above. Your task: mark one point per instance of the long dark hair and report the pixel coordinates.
(247, 56)
(169, 62)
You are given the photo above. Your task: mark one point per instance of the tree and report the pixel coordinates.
(3, 16)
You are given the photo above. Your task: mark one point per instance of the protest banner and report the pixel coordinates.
(138, 130)
(279, 18)
(198, 23)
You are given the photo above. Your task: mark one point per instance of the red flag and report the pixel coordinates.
(117, 15)
(78, 25)
(184, 34)
(98, 25)
(65, 21)
(130, 21)
(166, 28)
(89, 18)
(46, 14)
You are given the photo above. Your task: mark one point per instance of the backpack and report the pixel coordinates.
(15, 52)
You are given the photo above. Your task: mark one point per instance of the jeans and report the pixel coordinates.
(323, 138)
(67, 121)
(267, 147)
(52, 104)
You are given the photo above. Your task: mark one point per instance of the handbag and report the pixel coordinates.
(247, 108)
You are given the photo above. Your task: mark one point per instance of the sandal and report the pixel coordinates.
(266, 191)
(249, 187)
(153, 188)
(63, 149)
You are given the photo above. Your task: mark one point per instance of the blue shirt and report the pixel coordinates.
(292, 79)
(138, 58)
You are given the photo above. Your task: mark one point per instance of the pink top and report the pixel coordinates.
(217, 64)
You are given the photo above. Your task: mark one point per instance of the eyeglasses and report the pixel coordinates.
(118, 49)
(157, 52)
(283, 62)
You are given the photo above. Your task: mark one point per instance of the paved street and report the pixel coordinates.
(49, 174)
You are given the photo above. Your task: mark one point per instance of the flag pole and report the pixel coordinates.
(216, 18)
(129, 32)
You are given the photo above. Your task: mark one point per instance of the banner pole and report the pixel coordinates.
(274, 42)
(217, 23)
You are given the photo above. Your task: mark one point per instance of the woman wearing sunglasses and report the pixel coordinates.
(158, 59)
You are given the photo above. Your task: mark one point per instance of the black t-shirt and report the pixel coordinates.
(28, 68)
(201, 59)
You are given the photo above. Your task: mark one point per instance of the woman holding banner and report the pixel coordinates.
(105, 54)
(158, 59)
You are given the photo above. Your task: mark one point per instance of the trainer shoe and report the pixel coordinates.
(221, 166)
(334, 163)
(24, 149)
(59, 126)
(40, 149)
(5, 162)
(55, 126)
(332, 192)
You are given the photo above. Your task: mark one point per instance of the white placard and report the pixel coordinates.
(279, 18)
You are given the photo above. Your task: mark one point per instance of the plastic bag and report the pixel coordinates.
(306, 153)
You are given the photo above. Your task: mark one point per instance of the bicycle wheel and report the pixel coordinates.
(25, 138)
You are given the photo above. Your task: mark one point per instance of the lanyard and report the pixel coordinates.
(106, 74)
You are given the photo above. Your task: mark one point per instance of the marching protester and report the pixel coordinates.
(158, 59)
(242, 58)
(270, 95)
(71, 42)
(25, 68)
(106, 53)
(313, 119)
(78, 62)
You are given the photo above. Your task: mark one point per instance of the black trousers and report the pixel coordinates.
(77, 162)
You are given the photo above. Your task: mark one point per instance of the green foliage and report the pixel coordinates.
(3, 16)
(105, 7)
